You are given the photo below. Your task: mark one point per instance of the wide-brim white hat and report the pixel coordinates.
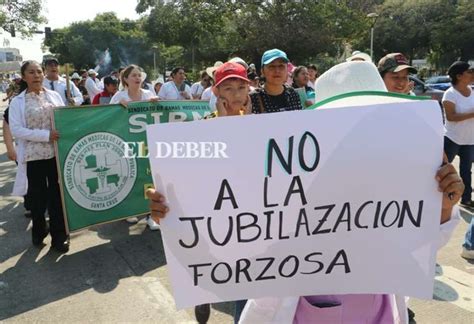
(357, 55)
(240, 61)
(355, 83)
(210, 70)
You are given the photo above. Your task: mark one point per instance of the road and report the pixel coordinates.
(117, 273)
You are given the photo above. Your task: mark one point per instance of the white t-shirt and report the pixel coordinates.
(197, 89)
(123, 95)
(206, 94)
(169, 91)
(209, 95)
(460, 132)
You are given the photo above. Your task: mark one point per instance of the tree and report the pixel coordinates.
(21, 16)
(218, 29)
(88, 43)
(450, 37)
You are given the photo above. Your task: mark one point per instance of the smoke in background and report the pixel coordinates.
(103, 62)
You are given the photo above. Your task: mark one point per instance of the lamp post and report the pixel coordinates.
(154, 47)
(374, 17)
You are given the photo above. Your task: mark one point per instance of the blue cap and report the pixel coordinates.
(273, 54)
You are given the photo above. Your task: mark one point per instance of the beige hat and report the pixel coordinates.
(359, 56)
(210, 70)
(353, 84)
(75, 76)
(92, 71)
(240, 61)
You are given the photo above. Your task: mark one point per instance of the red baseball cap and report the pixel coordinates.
(230, 70)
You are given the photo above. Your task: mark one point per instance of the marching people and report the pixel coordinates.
(313, 74)
(301, 80)
(92, 84)
(131, 79)
(176, 89)
(394, 70)
(12, 156)
(158, 84)
(208, 94)
(198, 87)
(110, 88)
(79, 83)
(13, 87)
(30, 124)
(275, 95)
(360, 308)
(53, 81)
(458, 103)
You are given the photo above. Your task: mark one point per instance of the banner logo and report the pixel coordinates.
(96, 175)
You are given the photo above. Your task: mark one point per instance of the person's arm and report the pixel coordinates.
(452, 187)
(76, 95)
(452, 115)
(8, 139)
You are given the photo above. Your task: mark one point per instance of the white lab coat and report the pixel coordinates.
(273, 310)
(60, 88)
(21, 134)
(93, 87)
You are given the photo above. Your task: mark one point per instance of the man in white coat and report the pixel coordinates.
(53, 81)
(93, 85)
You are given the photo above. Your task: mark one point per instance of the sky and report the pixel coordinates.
(61, 13)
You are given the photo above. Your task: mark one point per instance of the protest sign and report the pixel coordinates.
(327, 201)
(102, 157)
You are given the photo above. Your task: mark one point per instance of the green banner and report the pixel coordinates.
(102, 160)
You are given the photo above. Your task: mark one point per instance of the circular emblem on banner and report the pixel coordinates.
(96, 174)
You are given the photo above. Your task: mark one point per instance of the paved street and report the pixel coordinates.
(117, 273)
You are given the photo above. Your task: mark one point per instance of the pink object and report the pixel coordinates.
(347, 309)
(291, 68)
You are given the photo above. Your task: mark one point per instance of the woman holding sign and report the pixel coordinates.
(132, 79)
(30, 123)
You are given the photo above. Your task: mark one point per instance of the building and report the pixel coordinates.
(10, 60)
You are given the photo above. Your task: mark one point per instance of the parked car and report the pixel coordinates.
(422, 89)
(441, 82)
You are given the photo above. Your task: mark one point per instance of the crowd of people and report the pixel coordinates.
(232, 88)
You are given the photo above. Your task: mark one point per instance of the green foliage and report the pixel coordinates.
(84, 43)
(23, 16)
(196, 33)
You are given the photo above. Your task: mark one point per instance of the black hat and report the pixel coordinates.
(50, 60)
(110, 80)
(458, 67)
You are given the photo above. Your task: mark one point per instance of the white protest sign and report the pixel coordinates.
(328, 201)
